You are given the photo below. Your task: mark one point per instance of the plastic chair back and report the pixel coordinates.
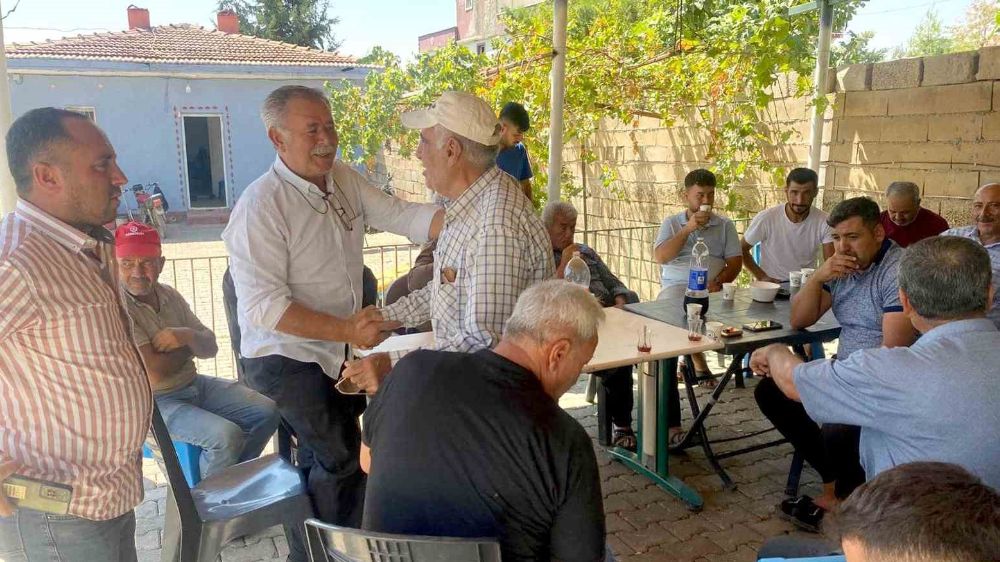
(240, 500)
(229, 303)
(809, 559)
(340, 544)
(188, 456)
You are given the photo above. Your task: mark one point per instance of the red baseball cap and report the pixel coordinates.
(135, 239)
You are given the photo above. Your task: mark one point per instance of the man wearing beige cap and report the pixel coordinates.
(493, 245)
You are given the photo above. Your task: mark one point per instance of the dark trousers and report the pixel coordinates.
(325, 423)
(618, 389)
(831, 449)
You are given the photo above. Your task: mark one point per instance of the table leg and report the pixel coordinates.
(660, 474)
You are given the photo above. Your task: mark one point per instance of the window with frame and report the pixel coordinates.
(468, 5)
(86, 111)
(480, 48)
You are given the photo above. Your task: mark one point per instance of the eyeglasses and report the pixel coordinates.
(331, 200)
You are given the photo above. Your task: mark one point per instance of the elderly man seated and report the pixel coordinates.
(934, 400)
(490, 453)
(559, 218)
(230, 422)
(986, 230)
(917, 512)
(904, 220)
(859, 284)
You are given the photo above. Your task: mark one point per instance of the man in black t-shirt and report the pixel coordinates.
(476, 445)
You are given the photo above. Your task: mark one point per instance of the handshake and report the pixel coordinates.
(367, 328)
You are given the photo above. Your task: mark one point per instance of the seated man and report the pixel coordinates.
(789, 234)
(904, 220)
(490, 453)
(559, 218)
(672, 249)
(986, 231)
(230, 422)
(859, 284)
(917, 512)
(934, 400)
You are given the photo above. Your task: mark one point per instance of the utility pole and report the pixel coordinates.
(825, 8)
(558, 78)
(8, 194)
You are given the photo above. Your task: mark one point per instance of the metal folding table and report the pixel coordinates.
(737, 312)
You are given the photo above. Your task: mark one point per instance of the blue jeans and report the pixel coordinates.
(230, 422)
(29, 536)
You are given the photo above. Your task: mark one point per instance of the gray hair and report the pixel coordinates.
(946, 277)
(558, 209)
(479, 155)
(904, 188)
(273, 110)
(554, 309)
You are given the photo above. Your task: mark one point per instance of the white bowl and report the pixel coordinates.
(764, 291)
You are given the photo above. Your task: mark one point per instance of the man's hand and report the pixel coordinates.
(6, 469)
(567, 254)
(366, 328)
(169, 339)
(839, 265)
(714, 286)
(759, 363)
(698, 220)
(368, 373)
(620, 301)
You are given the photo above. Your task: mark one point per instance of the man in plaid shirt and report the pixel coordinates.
(493, 245)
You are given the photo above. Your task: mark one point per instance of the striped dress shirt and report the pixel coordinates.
(497, 247)
(75, 403)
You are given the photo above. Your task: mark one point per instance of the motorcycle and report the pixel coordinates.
(151, 206)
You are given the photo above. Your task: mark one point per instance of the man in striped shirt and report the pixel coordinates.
(75, 404)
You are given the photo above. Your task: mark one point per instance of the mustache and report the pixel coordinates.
(324, 151)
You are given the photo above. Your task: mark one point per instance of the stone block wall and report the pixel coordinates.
(942, 134)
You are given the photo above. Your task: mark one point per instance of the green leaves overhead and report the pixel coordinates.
(711, 65)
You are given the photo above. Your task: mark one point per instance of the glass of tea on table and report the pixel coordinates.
(695, 325)
(644, 339)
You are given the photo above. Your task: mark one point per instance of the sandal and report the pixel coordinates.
(624, 439)
(705, 378)
(803, 513)
(676, 438)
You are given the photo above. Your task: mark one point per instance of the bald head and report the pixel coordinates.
(986, 212)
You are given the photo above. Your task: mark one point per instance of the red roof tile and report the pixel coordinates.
(179, 44)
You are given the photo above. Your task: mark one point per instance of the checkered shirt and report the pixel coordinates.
(497, 246)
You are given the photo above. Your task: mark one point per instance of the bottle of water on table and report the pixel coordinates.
(577, 271)
(697, 287)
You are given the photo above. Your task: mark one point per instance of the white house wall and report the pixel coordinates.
(142, 117)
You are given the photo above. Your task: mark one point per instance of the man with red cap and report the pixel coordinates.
(230, 422)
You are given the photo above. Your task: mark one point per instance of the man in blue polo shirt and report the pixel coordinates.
(513, 157)
(986, 231)
(859, 283)
(932, 401)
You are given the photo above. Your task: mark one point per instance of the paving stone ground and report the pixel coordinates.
(644, 523)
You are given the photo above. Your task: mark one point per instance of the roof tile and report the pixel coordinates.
(179, 44)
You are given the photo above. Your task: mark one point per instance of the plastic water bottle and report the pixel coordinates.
(697, 287)
(577, 271)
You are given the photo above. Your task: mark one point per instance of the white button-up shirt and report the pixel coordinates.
(282, 248)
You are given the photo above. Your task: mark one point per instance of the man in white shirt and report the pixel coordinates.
(789, 234)
(295, 242)
(493, 245)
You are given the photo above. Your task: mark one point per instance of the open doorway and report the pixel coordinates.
(206, 168)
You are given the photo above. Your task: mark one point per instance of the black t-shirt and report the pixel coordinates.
(469, 445)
